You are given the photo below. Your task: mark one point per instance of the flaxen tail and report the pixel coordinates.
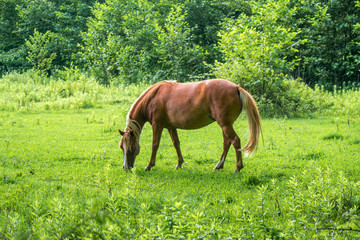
(254, 122)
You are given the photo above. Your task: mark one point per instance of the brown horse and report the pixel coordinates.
(173, 105)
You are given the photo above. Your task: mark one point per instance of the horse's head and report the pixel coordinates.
(129, 143)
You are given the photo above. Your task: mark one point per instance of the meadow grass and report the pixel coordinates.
(61, 177)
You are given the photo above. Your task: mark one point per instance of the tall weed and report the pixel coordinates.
(69, 89)
(343, 103)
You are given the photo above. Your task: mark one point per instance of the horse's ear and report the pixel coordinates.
(121, 132)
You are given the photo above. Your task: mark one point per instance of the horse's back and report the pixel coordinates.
(194, 105)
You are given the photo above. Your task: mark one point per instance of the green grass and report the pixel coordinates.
(61, 177)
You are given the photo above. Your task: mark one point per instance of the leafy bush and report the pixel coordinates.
(38, 54)
(292, 98)
(255, 47)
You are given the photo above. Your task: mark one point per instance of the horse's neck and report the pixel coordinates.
(136, 115)
(137, 110)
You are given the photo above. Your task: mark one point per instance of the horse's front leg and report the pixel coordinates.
(175, 139)
(155, 146)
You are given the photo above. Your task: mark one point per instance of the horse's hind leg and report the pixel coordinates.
(227, 144)
(175, 139)
(231, 135)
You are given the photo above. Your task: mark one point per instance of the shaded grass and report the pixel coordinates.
(333, 136)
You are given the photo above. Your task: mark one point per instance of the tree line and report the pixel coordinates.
(254, 43)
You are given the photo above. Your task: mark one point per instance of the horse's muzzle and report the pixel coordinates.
(129, 167)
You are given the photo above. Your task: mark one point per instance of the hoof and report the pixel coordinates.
(147, 168)
(178, 167)
(238, 169)
(218, 167)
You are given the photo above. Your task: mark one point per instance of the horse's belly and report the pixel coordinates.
(189, 119)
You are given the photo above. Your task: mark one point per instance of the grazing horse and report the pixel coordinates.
(173, 105)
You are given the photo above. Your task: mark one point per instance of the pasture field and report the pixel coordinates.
(61, 177)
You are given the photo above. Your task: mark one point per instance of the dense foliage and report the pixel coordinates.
(256, 42)
(151, 41)
(61, 21)
(255, 48)
(330, 55)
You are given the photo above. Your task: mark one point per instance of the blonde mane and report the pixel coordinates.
(134, 126)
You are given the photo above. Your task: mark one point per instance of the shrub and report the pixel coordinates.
(38, 54)
(255, 47)
(292, 98)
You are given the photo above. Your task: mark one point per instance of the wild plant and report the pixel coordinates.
(71, 90)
